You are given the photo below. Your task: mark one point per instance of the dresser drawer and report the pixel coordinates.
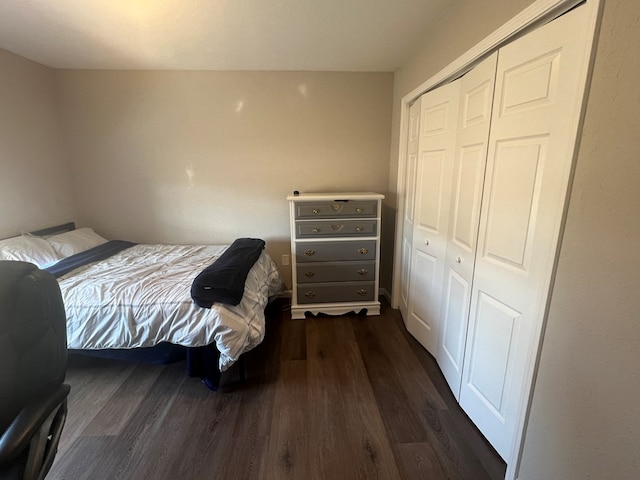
(346, 208)
(335, 251)
(336, 228)
(335, 272)
(336, 292)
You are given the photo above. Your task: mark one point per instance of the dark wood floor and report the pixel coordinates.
(350, 397)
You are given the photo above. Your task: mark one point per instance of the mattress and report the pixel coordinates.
(140, 297)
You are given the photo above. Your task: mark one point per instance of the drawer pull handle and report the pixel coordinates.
(310, 294)
(336, 226)
(358, 210)
(309, 274)
(315, 211)
(310, 252)
(316, 230)
(363, 271)
(363, 251)
(358, 229)
(336, 207)
(362, 292)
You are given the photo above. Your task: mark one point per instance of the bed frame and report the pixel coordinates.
(201, 361)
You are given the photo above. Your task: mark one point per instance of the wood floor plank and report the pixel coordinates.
(90, 392)
(294, 340)
(393, 389)
(340, 390)
(127, 449)
(329, 455)
(287, 454)
(186, 445)
(419, 461)
(392, 341)
(116, 414)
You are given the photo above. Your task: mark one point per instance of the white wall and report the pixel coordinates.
(584, 420)
(35, 187)
(181, 157)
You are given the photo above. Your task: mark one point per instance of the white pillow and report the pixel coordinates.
(28, 248)
(75, 241)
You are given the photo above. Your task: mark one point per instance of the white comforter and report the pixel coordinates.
(141, 297)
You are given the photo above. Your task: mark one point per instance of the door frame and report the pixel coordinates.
(538, 13)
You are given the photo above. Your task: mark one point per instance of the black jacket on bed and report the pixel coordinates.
(223, 281)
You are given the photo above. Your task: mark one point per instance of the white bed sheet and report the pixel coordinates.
(141, 297)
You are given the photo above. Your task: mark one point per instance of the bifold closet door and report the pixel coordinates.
(407, 223)
(539, 91)
(476, 100)
(434, 167)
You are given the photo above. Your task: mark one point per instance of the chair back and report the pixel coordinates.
(33, 338)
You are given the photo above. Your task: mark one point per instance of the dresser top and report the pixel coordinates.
(310, 197)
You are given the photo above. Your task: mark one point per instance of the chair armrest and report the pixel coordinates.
(18, 435)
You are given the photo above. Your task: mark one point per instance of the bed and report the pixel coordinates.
(132, 300)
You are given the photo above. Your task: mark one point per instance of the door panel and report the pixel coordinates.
(458, 292)
(539, 90)
(530, 84)
(466, 198)
(468, 193)
(434, 169)
(431, 181)
(423, 280)
(518, 167)
(493, 343)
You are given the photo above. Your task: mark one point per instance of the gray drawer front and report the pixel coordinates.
(348, 208)
(336, 292)
(336, 228)
(335, 251)
(335, 272)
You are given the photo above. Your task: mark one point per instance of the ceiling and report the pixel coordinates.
(321, 35)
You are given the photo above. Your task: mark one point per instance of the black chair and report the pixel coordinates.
(33, 364)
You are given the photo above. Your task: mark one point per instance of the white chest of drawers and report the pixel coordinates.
(335, 245)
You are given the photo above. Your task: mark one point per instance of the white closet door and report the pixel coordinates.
(434, 168)
(409, 204)
(476, 100)
(539, 91)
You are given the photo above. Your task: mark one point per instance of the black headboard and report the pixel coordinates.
(65, 227)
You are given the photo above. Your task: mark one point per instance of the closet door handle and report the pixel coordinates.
(458, 259)
(426, 242)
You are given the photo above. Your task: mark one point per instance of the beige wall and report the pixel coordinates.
(174, 157)
(584, 419)
(34, 171)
